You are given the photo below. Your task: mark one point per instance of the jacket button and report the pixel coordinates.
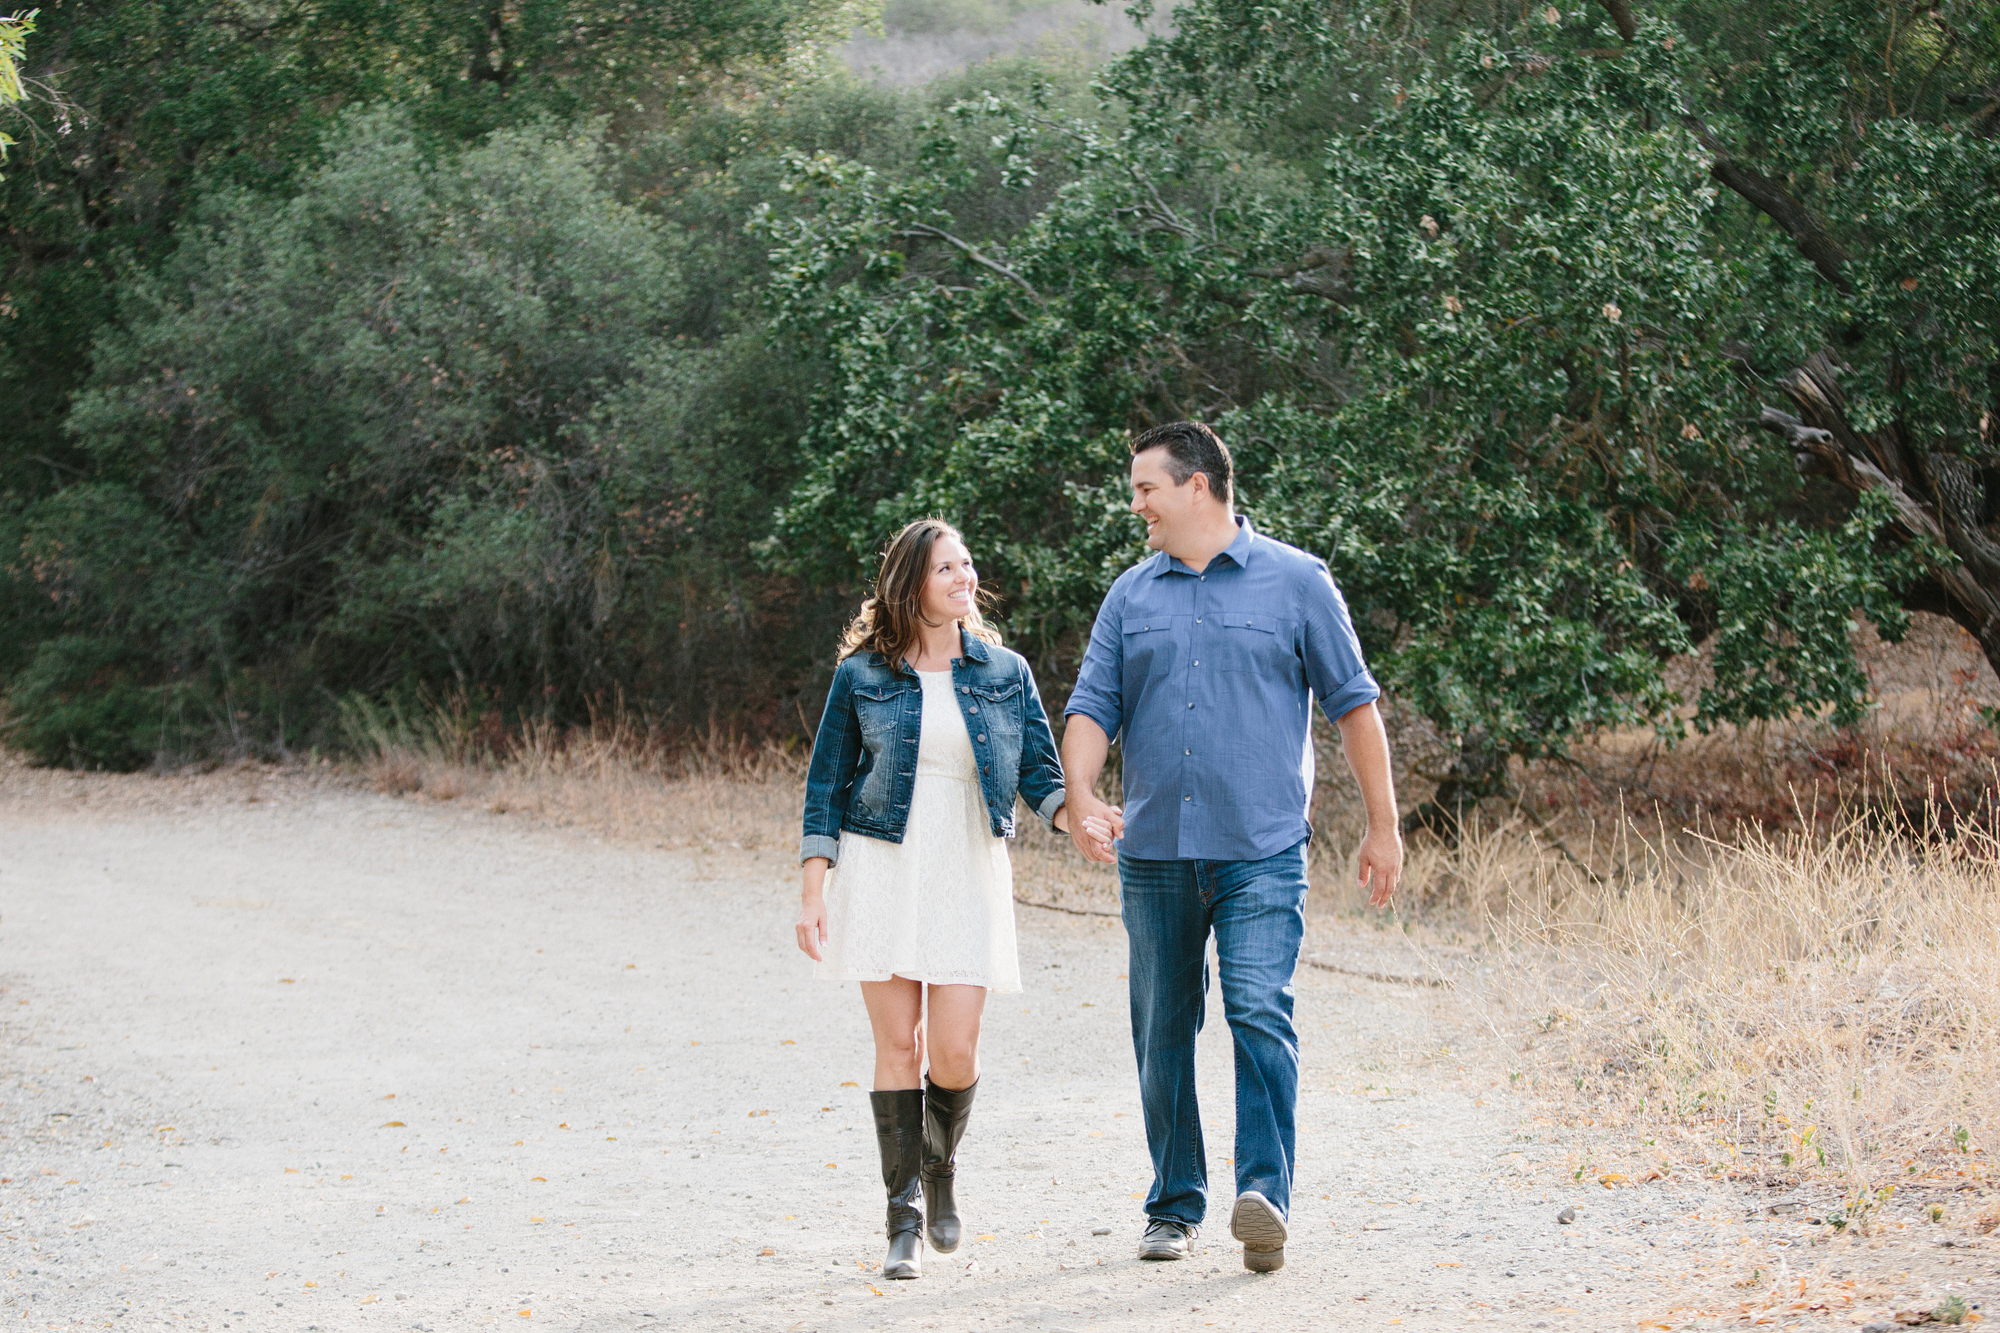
(974, 710)
(986, 768)
(965, 689)
(982, 738)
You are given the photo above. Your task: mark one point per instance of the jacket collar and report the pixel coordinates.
(970, 646)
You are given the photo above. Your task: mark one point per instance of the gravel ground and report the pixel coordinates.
(281, 1054)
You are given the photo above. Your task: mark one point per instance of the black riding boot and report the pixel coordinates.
(945, 1112)
(899, 1134)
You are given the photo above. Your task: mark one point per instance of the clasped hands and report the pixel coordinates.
(1094, 827)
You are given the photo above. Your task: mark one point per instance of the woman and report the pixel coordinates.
(930, 730)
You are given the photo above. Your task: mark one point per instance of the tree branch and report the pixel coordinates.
(1822, 445)
(1772, 200)
(1621, 18)
(1321, 271)
(920, 229)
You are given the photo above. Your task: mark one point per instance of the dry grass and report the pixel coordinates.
(1786, 1005)
(613, 777)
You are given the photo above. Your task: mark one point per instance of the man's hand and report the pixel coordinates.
(1094, 826)
(1367, 748)
(1381, 861)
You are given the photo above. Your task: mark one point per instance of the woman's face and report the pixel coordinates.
(952, 581)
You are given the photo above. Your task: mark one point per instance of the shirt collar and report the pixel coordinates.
(1238, 551)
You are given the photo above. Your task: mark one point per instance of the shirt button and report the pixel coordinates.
(1187, 751)
(1197, 620)
(1187, 798)
(1197, 661)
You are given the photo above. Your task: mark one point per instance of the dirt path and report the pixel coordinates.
(284, 1055)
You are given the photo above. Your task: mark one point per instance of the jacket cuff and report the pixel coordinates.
(1054, 802)
(818, 844)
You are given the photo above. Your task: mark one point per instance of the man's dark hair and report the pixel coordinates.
(1191, 447)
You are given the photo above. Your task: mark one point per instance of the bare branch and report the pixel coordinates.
(920, 229)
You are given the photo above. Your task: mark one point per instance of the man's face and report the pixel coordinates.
(1166, 509)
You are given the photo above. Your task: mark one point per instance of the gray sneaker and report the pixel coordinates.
(1167, 1239)
(1261, 1228)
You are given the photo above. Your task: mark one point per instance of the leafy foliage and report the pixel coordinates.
(481, 393)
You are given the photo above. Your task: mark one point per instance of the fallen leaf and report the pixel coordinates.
(525, 1313)
(312, 1284)
(538, 1219)
(389, 1097)
(850, 1084)
(370, 1300)
(543, 1179)
(1609, 1178)
(466, 1199)
(1097, 1133)
(1449, 1265)
(766, 1250)
(988, 1236)
(394, 1124)
(291, 1171)
(289, 981)
(787, 1043)
(833, 1166)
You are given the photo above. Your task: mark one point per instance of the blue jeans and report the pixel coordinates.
(1256, 910)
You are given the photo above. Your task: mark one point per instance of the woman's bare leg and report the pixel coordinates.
(895, 1012)
(955, 1014)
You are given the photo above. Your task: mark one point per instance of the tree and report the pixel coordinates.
(1495, 347)
(348, 440)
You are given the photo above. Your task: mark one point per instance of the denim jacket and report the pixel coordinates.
(864, 759)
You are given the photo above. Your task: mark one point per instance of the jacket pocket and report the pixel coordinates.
(878, 710)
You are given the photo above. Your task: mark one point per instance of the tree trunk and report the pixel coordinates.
(1939, 497)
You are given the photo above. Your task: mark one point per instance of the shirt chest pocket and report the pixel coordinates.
(1148, 649)
(1252, 643)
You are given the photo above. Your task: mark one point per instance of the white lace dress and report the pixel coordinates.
(937, 907)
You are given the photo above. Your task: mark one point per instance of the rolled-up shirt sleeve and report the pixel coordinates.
(1334, 666)
(1100, 682)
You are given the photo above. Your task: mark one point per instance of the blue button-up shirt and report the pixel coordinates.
(1207, 679)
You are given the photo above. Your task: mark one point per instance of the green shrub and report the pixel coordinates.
(79, 703)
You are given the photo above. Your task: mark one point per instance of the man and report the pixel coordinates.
(1204, 662)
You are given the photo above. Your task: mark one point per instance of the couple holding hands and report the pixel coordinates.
(1204, 663)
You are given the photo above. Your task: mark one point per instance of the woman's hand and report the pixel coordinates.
(811, 927)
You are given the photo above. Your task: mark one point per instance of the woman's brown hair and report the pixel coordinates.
(891, 622)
